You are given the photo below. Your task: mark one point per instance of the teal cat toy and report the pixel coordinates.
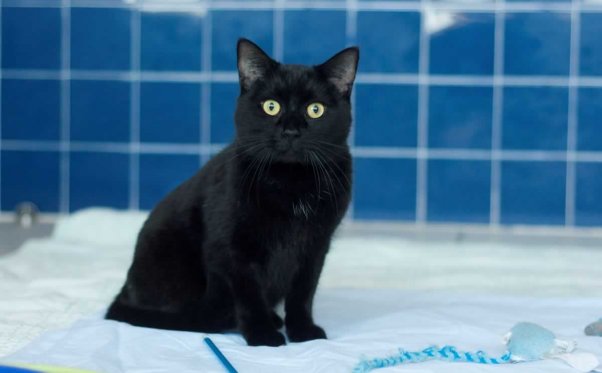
(524, 342)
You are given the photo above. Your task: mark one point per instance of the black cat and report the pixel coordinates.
(253, 226)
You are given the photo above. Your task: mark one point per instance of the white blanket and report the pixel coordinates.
(376, 295)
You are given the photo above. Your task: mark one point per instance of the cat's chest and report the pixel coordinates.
(280, 268)
(296, 200)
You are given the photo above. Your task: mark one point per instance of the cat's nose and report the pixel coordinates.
(290, 133)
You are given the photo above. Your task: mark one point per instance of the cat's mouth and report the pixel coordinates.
(289, 151)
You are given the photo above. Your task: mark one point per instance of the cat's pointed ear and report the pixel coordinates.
(340, 69)
(253, 63)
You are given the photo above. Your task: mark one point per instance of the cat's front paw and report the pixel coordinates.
(305, 333)
(265, 338)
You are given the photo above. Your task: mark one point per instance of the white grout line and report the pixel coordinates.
(357, 151)
(362, 78)
(400, 6)
(497, 116)
(1, 4)
(423, 107)
(572, 120)
(65, 156)
(382, 152)
(205, 104)
(278, 30)
(134, 144)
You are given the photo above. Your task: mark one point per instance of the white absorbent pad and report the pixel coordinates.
(370, 323)
(376, 294)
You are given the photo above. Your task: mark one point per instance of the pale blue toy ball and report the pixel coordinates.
(530, 341)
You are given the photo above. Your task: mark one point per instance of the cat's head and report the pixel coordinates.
(291, 112)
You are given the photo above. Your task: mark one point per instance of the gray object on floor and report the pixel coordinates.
(12, 236)
(594, 329)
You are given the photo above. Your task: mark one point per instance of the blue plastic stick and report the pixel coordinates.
(219, 355)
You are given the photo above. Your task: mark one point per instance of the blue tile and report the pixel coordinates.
(543, 126)
(465, 46)
(589, 199)
(223, 104)
(91, 120)
(533, 193)
(98, 179)
(171, 41)
(382, 53)
(305, 39)
(384, 189)
(229, 26)
(591, 48)
(590, 112)
(100, 39)
(170, 112)
(31, 38)
(30, 109)
(386, 115)
(161, 173)
(460, 117)
(459, 191)
(32, 177)
(537, 43)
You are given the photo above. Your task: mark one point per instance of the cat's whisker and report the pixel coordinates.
(327, 177)
(331, 152)
(342, 147)
(316, 175)
(250, 168)
(332, 163)
(258, 166)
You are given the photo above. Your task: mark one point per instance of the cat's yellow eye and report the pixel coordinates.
(315, 110)
(271, 107)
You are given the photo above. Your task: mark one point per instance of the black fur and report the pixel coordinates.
(253, 226)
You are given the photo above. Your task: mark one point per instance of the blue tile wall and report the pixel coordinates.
(544, 126)
(171, 41)
(390, 116)
(590, 119)
(384, 189)
(533, 192)
(90, 119)
(30, 109)
(458, 191)
(591, 48)
(464, 112)
(398, 55)
(589, 198)
(31, 38)
(161, 173)
(537, 43)
(305, 36)
(257, 26)
(33, 176)
(460, 117)
(98, 179)
(92, 47)
(170, 112)
(452, 48)
(223, 100)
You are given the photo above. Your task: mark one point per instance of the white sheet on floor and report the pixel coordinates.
(373, 323)
(53, 292)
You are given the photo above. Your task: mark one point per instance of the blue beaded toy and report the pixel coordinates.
(525, 342)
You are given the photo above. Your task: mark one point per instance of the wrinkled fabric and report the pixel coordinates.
(377, 294)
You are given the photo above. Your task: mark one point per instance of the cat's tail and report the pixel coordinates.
(189, 319)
